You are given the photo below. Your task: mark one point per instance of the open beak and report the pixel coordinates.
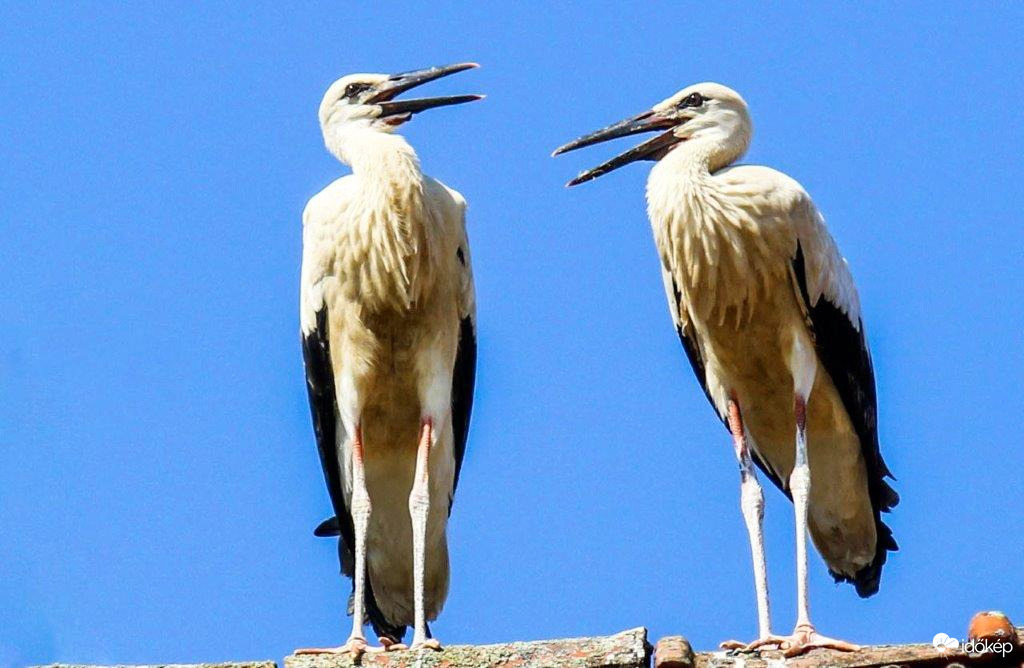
(399, 83)
(652, 149)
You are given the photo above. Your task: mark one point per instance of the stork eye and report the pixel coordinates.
(354, 89)
(692, 100)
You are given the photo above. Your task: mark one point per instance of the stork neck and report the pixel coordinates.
(685, 169)
(701, 156)
(390, 218)
(385, 159)
(688, 168)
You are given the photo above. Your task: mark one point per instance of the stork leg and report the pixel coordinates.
(800, 487)
(752, 505)
(361, 519)
(419, 509)
(356, 644)
(804, 637)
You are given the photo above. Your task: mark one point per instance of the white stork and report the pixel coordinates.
(769, 317)
(389, 338)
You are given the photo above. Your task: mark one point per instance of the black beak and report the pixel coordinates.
(402, 82)
(651, 149)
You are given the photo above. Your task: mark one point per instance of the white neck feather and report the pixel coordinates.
(391, 220)
(682, 179)
(376, 155)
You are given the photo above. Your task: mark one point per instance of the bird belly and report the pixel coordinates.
(751, 362)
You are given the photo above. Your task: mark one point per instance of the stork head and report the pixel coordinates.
(704, 111)
(366, 101)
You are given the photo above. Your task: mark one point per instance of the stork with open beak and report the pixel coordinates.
(389, 339)
(769, 317)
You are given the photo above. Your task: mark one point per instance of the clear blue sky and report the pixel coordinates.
(158, 481)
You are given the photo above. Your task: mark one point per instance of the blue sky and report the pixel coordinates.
(159, 483)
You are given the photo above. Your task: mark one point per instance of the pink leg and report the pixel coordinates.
(360, 509)
(419, 509)
(752, 504)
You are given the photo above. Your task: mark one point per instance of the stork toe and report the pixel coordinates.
(355, 646)
(737, 645)
(805, 638)
(770, 641)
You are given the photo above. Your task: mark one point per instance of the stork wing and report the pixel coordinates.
(464, 372)
(686, 335)
(327, 428)
(827, 292)
(691, 346)
(843, 351)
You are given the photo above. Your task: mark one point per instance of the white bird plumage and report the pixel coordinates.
(387, 313)
(769, 316)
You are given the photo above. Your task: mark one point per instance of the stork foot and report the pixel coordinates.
(356, 647)
(390, 645)
(803, 639)
(429, 643)
(736, 645)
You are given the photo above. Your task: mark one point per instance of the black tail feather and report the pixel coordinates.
(329, 527)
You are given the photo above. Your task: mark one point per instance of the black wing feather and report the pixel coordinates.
(463, 382)
(323, 404)
(843, 351)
